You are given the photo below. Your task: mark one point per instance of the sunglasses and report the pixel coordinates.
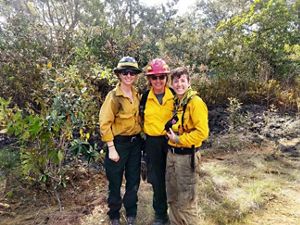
(130, 72)
(161, 77)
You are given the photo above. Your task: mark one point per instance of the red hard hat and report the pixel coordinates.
(157, 66)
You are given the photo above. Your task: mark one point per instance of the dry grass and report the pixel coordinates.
(235, 186)
(243, 182)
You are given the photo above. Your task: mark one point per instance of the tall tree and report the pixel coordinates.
(256, 40)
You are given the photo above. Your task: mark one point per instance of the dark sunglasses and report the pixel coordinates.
(130, 72)
(161, 77)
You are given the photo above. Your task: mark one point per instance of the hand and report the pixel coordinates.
(172, 136)
(171, 122)
(113, 154)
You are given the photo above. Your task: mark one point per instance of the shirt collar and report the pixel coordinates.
(119, 91)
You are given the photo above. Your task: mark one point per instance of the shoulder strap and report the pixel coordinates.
(184, 108)
(144, 100)
(172, 90)
(183, 111)
(143, 104)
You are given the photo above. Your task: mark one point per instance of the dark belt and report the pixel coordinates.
(186, 151)
(183, 151)
(159, 136)
(127, 138)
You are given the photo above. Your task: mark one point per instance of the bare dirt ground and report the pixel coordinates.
(269, 182)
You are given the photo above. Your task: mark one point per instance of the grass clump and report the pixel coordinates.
(235, 187)
(9, 159)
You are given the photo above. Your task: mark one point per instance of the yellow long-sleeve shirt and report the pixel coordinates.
(195, 125)
(156, 115)
(118, 115)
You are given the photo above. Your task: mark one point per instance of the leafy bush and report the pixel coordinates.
(9, 159)
(44, 141)
(217, 89)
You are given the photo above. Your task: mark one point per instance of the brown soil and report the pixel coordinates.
(84, 201)
(87, 190)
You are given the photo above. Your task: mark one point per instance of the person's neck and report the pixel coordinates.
(158, 92)
(179, 97)
(126, 88)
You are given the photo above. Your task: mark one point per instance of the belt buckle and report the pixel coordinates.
(132, 139)
(172, 150)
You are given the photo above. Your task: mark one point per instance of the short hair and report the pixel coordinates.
(178, 72)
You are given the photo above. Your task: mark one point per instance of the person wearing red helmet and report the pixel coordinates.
(157, 110)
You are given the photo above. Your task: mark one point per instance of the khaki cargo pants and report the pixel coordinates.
(181, 184)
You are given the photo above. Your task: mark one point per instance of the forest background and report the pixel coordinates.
(56, 61)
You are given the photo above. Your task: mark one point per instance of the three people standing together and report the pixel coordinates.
(175, 146)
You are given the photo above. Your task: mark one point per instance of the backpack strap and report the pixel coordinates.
(172, 90)
(143, 105)
(183, 110)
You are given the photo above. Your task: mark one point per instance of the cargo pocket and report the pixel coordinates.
(171, 180)
(187, 182)
(198, 162)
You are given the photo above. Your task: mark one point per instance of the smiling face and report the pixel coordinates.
(180, 84)
(158, 82)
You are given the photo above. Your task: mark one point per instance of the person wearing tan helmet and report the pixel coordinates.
(157, 110)
(120, 129)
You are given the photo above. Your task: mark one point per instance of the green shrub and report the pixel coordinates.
(9, 159)
(217, 89)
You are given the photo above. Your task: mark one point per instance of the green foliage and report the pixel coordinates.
(23, 52)
(85, 149)
(9, 159)
(43, 143)
(233, 38)
(39, 155)
(74, 95)
(253, 43)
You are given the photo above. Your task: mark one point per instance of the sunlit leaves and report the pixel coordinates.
(261, 33)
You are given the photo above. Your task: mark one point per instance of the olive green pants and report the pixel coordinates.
(181, 184)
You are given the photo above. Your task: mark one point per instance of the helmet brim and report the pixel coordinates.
(154, 73)
(119, 70)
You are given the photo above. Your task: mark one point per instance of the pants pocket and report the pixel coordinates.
(197, 162)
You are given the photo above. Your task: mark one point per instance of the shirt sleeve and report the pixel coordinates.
(199, 116)
(107, 115)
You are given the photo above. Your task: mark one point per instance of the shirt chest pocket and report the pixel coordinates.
(126, 115)
(127, 111)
